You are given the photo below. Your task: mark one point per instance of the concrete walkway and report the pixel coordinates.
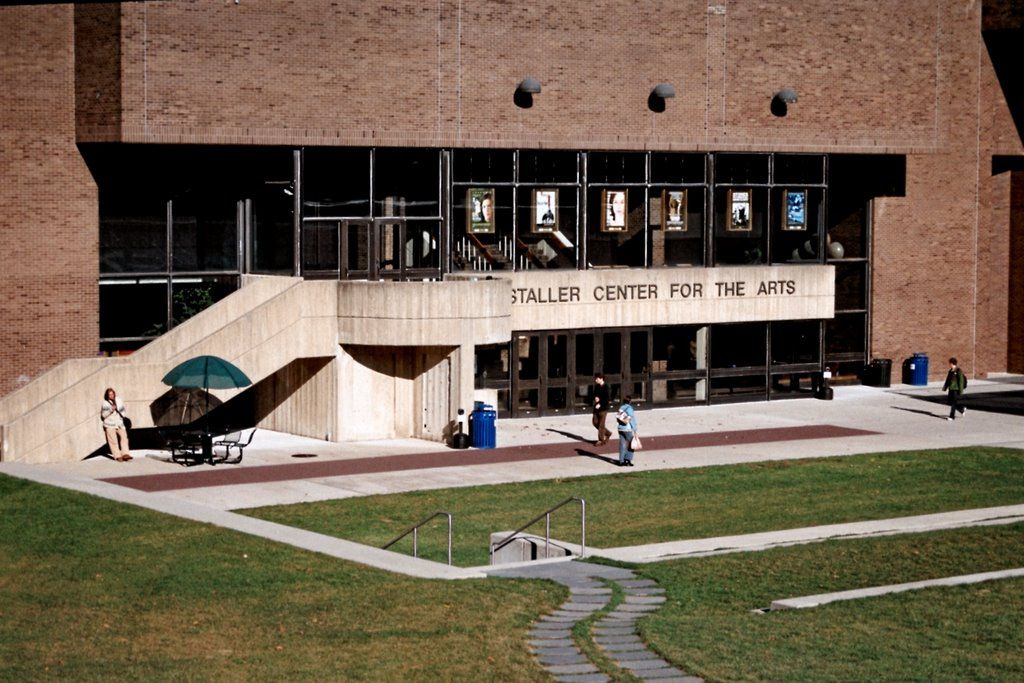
(808, 601)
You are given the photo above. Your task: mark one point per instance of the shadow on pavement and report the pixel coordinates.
(595, 456)
(941, 416)
(1006, 402)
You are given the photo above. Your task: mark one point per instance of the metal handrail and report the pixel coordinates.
(495, 547)
(414, 530)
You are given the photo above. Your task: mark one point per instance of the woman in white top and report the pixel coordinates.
(112, 416)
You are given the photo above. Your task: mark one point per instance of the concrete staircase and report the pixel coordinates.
(266, 324)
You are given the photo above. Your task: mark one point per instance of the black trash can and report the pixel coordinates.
(878, 373)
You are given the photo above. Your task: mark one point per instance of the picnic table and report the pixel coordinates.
(195, 446)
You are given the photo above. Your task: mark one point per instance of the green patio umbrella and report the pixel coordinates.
(206, 372)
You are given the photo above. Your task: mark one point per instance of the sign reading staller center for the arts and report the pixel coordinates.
(670, 296)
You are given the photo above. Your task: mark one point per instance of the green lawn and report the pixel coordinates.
(91, 590)
(634, 508)
(969, 633)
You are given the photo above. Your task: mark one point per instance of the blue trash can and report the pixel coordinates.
(482, 426)
(918, 367)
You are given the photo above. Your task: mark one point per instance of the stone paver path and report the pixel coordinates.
(614, 632)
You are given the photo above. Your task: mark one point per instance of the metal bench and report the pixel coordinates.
(236, 440)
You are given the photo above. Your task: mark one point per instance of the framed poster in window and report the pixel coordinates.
(739, 211)
(480, 210)
(794, 210)
(675, 210)
(613, 210)
(545, 210)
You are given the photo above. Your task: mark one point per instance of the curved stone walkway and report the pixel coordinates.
(614, 633)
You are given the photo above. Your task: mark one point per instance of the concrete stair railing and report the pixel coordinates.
(262, 327)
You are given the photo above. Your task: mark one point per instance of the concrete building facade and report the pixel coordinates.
(849, 176)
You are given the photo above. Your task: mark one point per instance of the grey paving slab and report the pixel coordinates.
(551, 626)
(625, 647)
(603, 640)
(551, 643)
(591, 591)
(646, 664)
(635, 655)
(638, 583)
(666, 675)
(591, 599)
(618, 630)
(573, 606)
(549, 660)
(626, 607)
(572, 669)
(583, 678)
(644, 599)
(564, 650)
(541, 634)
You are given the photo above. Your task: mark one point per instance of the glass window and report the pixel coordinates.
(543, 166)
(611, 352)
(407, 182)
(189, 296)
(851, 292)
(483, 234)
(422, 245)
(616, 230)
(795, 218)
(616, 167)
(491, 365)
(845, 334)
(667, 167)
(547, 228)
(335, 182)
(740, 217)
(738, 169)
(738, 346)
(799, 169)
(527, 356)
(483, 165)
(205, 232)
(584, 354)
(133, 232)
(133, 308)
(558, 355)
(675, 348)
(795, 341)
(676, 220)
(273, 248)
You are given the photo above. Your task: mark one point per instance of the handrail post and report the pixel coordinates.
(547, 535)
(583, 528)
(415, 541)
(449, 538)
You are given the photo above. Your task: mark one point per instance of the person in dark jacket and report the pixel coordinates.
(601, 405)
(955, 384)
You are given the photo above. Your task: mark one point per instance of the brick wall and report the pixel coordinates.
(48, 224)
(414, 73)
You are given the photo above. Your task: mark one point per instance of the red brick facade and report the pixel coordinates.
(896, 76)
(48, 209)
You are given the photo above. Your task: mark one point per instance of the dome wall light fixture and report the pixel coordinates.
(527, 88)
(660, 93)
(783, 98)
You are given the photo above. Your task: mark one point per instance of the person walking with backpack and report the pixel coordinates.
(955, 384)
(626, 419)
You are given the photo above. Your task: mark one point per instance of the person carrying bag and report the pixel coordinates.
(626, 419)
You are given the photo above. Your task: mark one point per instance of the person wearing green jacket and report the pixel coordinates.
(955, 384)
